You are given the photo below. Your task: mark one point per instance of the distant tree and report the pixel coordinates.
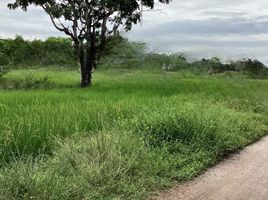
(121, 53)
(253, 67)
(89, 23)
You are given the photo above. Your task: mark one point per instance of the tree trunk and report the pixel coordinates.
(85, 76)
(90, 61)
(85, 71)
(87, 59)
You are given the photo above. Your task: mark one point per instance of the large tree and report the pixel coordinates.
(89, 23)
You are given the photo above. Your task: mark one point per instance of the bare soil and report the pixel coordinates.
(243, 176)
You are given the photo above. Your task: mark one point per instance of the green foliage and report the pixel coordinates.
(209, 66)
(132, 55)
(119, 53)
(3, 71)
(89, 24)
(4, 61)
(119, 12)
(254, 68)
(23, 53)
(133, 132)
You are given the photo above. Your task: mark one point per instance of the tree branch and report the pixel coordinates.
(62, 28)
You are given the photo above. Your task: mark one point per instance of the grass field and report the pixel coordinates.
(130, 134)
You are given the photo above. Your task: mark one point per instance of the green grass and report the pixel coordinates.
(130, 134)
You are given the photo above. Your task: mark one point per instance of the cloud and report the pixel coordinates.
(229, 29)
(32, 24)
(218, 26)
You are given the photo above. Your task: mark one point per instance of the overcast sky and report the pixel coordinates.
(200, 28)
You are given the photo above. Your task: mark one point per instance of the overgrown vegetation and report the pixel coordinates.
(150, 119)
(118, 54)
(134, 132)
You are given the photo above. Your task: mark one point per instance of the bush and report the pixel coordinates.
(254, 68)
(209, 66)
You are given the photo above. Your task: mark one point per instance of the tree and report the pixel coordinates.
(89, 23)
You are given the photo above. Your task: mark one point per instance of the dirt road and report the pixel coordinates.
(244, 176)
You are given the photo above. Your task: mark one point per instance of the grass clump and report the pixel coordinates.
(104, 166)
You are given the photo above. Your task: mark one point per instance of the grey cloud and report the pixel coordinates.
(226, 28)
(209, 26)
(222, 13)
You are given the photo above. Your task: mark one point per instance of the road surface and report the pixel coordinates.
(243, 176)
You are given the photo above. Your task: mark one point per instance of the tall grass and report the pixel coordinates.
(131, 133)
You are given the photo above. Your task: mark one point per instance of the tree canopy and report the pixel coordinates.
(90, 22)
(90, 16)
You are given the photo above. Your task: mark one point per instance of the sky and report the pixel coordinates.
(228, 29)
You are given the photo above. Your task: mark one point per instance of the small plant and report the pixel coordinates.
(31, 82)
(3, 71)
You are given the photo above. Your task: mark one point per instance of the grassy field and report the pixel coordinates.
(130, 134)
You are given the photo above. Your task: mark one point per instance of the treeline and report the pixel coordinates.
(119, 53)
(19, 52)
(124, 54)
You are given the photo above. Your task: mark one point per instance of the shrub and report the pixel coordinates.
(209, 66)
(254, 68)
